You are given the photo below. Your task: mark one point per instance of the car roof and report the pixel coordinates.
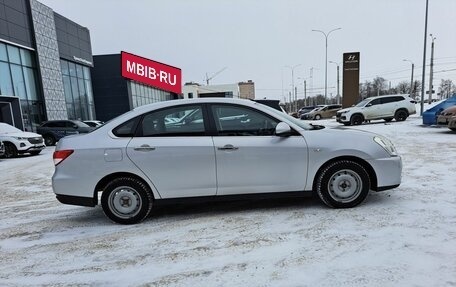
(387, 96)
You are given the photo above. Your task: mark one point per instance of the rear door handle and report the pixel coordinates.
(228, 147)
(144, 147)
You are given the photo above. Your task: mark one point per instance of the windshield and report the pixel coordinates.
(7, 129)
(363, 103)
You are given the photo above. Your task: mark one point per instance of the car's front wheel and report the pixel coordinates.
(343, 184)
(126, 200)
(356, 120)
(10, 150)
(317, 117)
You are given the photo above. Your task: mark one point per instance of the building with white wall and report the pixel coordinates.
(242, 90)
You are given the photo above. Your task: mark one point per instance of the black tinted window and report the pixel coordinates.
(176, 121)
(240, 121)
(374, 102)
(126, 129)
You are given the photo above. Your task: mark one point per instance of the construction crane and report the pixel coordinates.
(214, 75)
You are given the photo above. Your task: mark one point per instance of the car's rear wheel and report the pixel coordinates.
(126, 200)
(400, 115)
(317, 117)
(10, 150)
(343, 184)
(356, 120)
(49, 140)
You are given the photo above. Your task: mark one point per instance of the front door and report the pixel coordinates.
(250, 158)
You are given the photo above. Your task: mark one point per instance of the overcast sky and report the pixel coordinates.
(255, 40)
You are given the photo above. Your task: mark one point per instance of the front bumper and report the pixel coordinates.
(388, 171)
(341, 118)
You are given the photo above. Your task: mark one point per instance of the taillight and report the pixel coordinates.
(61, 155)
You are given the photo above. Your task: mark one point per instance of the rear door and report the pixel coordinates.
(172, 148)
(250, 158)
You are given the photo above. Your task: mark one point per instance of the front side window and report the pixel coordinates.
(176, 121)
(374, 102)
(241, 121)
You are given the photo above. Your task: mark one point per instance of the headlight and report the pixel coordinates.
(386, 144)
(20, 138)
(344, 112)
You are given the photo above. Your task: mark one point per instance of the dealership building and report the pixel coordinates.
(45, 62)
(47, 72)
(122, 82)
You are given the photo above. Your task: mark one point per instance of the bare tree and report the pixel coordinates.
(403, 87)
(446, 89)
(379, 85)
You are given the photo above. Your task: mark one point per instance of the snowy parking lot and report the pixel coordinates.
(401, 237)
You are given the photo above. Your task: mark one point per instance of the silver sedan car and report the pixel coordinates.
(210, 148)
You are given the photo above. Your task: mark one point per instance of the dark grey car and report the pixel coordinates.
(53, 131)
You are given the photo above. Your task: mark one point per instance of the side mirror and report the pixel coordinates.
(283, 130)
(369, 105)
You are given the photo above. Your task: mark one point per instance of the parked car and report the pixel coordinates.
(307, 109)
(452, 124)
(53, 131)
(228, 147)
(19, 142)
(387, 107)
(444, 117)
(324, 112)
(93, 123)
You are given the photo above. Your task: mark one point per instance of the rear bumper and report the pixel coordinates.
(76, 200)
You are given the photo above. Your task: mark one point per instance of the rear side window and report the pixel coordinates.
(392, 99)
(126, 129)
(175, 121)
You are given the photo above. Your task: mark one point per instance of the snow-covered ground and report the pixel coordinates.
(401, 237)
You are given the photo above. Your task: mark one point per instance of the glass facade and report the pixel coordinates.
(142, 95)
(19, 78)
(77, 87)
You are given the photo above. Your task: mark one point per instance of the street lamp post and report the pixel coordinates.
(431, 71)
(338, 94)
(411, 81)
(424, 59)
(293, 86)
(326, 57)
(305, 89)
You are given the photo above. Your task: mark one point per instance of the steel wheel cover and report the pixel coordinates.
(345, 185)
(125, 202)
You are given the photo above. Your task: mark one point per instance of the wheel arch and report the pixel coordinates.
(370, 170)
(105, 180)
(357, 114)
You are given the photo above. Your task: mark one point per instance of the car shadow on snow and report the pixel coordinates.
(233, 206)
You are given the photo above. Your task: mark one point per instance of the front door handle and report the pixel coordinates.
(144, 147)
(228, 147)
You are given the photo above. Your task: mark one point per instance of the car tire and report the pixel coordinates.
(388, 120)
(356, 120)
(49, 140)
(400, 115)
(35, 152)
(126, 200)
(318, 117)
(343, 184)
(10, 150)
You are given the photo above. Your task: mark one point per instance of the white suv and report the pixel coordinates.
(387, 107)
(19, 142)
